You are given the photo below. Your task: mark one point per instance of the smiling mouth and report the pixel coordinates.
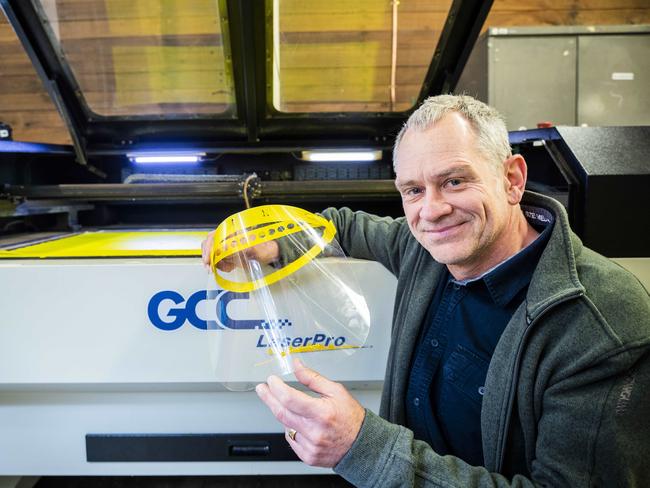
(442, 231)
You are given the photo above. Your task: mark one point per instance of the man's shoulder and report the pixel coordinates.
(615, 293)
(599, 272)
(609, 287)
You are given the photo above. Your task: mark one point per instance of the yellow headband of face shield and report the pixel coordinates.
(257, 225)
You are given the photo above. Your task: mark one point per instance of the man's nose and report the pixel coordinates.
(434, 206)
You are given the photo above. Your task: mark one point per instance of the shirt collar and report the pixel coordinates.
(508, 278)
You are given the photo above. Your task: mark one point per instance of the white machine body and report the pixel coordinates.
(117, 346)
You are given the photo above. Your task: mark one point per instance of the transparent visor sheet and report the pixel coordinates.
(270, 308)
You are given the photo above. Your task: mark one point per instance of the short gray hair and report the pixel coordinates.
(488, 124)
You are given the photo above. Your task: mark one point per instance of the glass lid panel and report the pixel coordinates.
(145, 57)
(341, 56)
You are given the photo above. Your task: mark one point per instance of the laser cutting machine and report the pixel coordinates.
(104, 363)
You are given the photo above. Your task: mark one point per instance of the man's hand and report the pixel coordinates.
(324, 427)
(265, 253)
(206, 249)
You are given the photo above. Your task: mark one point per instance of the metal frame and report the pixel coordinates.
(463, 26)
(29, 29)
(258, 127)
(215, 191)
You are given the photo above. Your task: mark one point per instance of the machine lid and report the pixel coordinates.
(242, 75)
(112, 243)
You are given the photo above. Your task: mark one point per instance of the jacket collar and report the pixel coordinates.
(505, 280)
(557, 265)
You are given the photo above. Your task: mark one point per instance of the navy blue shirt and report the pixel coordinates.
(462, 327)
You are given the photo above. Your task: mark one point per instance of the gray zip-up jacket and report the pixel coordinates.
(567, 394)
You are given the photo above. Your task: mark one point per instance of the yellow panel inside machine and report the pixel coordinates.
(108, 243)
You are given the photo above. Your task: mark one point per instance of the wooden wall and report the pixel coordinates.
(25, 105)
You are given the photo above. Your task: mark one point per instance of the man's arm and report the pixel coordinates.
(333, 430)
(366, 236)
(611, 448)
(361, 235)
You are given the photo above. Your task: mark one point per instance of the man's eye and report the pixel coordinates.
(412, 191)
(453, 182)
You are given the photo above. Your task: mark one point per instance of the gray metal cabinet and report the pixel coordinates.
(563, 75)
(614, 80)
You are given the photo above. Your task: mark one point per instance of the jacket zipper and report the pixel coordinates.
(391, 375)
(515, 373)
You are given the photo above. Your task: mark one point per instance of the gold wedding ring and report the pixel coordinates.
(292, 434)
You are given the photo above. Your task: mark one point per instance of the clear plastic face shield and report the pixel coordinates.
(282, 287)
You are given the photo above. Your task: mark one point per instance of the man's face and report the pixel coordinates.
(454, 200)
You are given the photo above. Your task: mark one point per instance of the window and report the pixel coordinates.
(342, 56)
(144, 57)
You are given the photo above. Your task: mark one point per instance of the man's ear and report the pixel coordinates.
(516, 172)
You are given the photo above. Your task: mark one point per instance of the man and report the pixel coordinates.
(518, 357)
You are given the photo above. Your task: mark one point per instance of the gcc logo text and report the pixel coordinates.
(168, 310)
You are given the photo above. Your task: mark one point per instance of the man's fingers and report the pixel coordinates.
(226, 265)
(206, 248)
(314, 380)
(325, 426)
(296, 401)
(279, 411)
(265, 253)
